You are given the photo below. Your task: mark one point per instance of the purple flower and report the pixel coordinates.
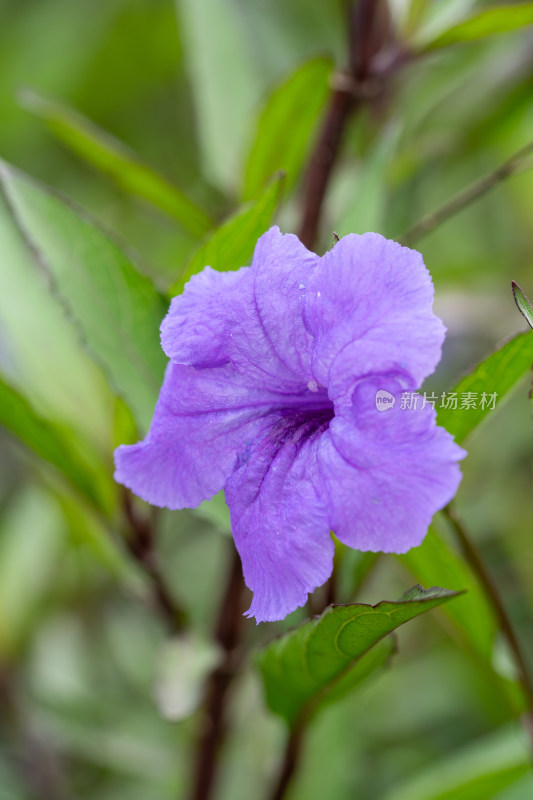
(270, 394)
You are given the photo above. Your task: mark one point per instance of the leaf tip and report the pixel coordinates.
(522, 303)
(417, 593)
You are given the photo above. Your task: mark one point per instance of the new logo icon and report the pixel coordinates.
(384, 400)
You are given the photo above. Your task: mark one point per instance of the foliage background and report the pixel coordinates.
(84, 656)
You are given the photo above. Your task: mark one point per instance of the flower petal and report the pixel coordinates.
(372, 291)
(281, 268)
(386, 472)
(252, 318)
(279, 517)
(204, 422)
(200, 321)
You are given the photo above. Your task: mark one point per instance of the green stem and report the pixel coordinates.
(475, 560)
(519, 162)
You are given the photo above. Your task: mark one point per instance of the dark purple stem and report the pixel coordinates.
(214, 733)
(140, 544)
(290, 763)
(368, 32)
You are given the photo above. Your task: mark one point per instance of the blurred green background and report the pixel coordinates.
(87, 677)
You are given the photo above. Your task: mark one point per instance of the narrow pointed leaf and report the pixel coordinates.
(523, 304)
(121, 164)
(496, 375)
(53, 444)
(303, 668)
(489, 22)
(475, 771)
(41, 353)
(293, 106)
(116, 310)
(232, 244)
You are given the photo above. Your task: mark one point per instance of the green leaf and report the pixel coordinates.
(58, 377)
(54, 444)
(226, 79)
(435, 561)
(232, 244)
(489, 22)
(523, 304)
(90, 532)
(116, 309)
(293, 106)
(330, 654)
(32, 550)
(117, 161)
(476, 772)
(497, 374)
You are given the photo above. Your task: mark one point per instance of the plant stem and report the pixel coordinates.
(289, 764)
(141, 546)
(341, 105)
(475, 560)
(368, 31)
(517, 163)
(227, 637)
